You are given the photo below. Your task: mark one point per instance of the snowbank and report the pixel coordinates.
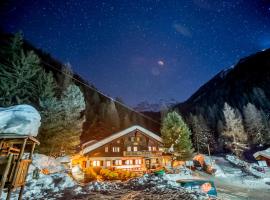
(45, 162)
(20, 120)
(248, 168)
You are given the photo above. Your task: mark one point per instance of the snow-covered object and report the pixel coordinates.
(245, 166)
(265, 153)
(46, 162)
(20, 120)
(64, 159)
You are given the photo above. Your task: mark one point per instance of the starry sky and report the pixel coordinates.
(143, 49)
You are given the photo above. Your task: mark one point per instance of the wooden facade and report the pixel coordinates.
(134, 149)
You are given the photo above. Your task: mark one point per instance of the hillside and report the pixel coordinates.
(99, 108)
(246, 82)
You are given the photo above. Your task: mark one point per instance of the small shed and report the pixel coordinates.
(263, 156)
(13, 165)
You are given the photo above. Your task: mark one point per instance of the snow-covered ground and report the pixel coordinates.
(230, 181)
(58, 184)
(233, 183)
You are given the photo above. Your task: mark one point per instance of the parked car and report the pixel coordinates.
(200, 185)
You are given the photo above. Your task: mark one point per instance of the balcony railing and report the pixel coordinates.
(142, 153)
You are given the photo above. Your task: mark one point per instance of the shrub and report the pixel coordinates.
(97, 170)
(90, 174)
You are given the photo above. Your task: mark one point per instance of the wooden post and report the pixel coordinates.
(30, 158)
(5, 174)
(17, 167)
(209, 154)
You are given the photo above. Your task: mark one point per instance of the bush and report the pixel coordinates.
(90, 174)
(97, 170)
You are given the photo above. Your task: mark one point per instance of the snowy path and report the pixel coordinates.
(232, 188)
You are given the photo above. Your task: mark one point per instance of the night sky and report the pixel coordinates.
(143, 50)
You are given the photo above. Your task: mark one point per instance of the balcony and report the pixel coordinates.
(142, 153)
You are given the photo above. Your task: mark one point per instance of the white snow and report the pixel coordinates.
(20, 120)
(55, 182)
(45, 162)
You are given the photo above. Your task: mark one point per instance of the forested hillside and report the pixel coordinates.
(236, 98)
(29, 75)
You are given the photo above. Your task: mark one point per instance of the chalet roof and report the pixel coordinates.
(117, 135)
(265, 153)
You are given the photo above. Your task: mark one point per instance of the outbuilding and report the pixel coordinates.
(263, 156)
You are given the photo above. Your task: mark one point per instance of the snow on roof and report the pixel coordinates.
(117, 135)
(265, 153)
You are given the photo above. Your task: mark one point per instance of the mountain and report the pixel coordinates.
(145, 106)
(246, 82)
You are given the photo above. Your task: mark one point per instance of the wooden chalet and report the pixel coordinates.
(134, 148)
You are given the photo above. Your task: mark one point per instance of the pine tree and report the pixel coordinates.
(127, 122)
(202, 135)
(253, 123)
(68, 74)
(176, 136)
(62, 122)
(234, 130)
(112, 115)
(22, 80)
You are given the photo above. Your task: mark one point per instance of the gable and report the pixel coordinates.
(118, 135)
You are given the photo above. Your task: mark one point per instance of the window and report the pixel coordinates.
(135, 148)
(138, 139)
(138, 162)
(154, 148)
(132, 139)
(128, 162)
(116, 149)
(118, 162)
(108, 163)
(160, 149)
(149, 148)
(96, 163)
(118, 141)
(128, 148)
(106, 149)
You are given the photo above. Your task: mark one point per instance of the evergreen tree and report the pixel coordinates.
(202, 135)
(253, 123)
(22, 80)
(176, 136)
(62, 122)
(234, 130)
(68, 74)
(127, 122)
(112, 115)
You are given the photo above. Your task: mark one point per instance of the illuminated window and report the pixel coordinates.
(128, 162)
(108, 163)
(160, 149)
(106, 149)
(154, 148)
(138, 162)
(135, 148)
(118, 141)
(116, 149)
(96, 163)
(128, 148)
(138, 139)
(132, 139)
(149, 148)
(118, 162)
